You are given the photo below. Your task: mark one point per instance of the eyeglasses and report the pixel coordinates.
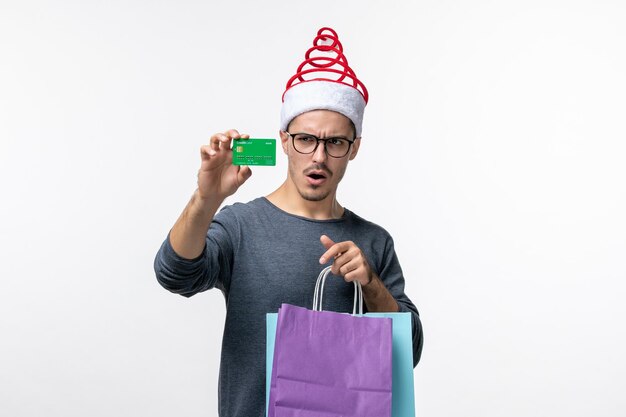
(306, 143)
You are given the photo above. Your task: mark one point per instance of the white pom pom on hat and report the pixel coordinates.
(330, 84)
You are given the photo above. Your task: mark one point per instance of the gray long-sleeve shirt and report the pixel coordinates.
(260, 256)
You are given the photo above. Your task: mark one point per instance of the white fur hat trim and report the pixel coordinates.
(323, 95)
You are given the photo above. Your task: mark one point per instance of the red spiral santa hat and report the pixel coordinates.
(324, 81)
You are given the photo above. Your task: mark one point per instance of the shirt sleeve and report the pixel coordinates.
(212, 268)
(393, 278)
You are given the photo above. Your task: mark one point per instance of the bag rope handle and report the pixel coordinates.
(318, 295)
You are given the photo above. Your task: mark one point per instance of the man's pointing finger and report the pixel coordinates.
(336, 250)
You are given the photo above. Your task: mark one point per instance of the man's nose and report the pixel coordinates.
(320, 153)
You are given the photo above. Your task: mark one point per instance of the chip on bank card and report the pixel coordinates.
(254, 151)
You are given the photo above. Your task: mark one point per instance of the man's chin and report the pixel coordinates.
(314, 195)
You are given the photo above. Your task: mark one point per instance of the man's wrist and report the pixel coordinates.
(377, 297)
(373, 286)
(205, 205)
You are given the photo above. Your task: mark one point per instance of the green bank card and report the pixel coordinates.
(254, 152)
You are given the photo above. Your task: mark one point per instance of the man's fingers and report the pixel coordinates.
(232, 134)
(352, 265)
(340, 261)
(225, 140)
(225, 144)
(222, 140)
(206, 152)
(334, 251)
(328, 245)
(220, 146)
(326, 241)
(214, 142)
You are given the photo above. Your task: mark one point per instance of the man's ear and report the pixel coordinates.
(355, 148)
(284, 141)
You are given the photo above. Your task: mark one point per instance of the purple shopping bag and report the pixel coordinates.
(330, 364)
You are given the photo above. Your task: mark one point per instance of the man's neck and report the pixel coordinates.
(287, 198)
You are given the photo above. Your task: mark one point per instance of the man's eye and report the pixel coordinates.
(305, 139)
(336, 142)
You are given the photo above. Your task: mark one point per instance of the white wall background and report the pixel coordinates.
(493, 151)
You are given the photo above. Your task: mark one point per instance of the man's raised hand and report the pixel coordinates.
(218, 178)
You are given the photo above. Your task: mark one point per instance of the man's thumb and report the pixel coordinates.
(244, 173)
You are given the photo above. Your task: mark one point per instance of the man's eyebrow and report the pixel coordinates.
(329, 136)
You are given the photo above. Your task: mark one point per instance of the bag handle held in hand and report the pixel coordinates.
(319, 293)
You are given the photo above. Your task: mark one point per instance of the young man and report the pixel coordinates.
(270, 250)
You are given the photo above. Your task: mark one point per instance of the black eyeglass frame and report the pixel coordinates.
(317, 143)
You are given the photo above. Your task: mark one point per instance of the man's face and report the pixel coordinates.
(317, 175)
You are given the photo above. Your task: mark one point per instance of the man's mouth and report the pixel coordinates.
(316, 177)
